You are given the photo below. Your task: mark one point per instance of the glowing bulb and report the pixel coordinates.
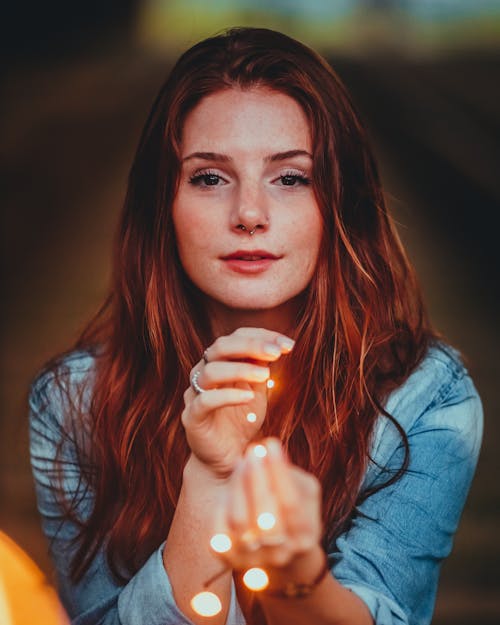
(266, 520)
(251, 417)
(260, 451)
(220, 543)
(256, 579)
(270, 383)
(206, 604)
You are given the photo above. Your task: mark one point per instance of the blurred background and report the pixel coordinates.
(78, 81)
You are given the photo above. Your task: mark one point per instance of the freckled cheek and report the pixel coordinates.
(308, 265)
(305, 236)
(194, 247)
(193, 230)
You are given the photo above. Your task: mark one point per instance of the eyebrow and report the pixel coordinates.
(223, 158)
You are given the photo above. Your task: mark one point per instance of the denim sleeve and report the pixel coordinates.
(391, 555)
(147, 598)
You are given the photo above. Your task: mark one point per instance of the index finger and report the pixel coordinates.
(250, 343)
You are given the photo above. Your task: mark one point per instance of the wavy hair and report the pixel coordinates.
(361, 330)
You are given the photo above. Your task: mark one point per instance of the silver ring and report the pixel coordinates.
(194, 383)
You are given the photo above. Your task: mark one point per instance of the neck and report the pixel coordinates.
(225, 320)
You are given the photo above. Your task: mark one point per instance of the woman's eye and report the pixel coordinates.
(206, 180)
(291, 180)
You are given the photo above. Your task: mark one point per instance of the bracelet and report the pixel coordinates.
(299, 590)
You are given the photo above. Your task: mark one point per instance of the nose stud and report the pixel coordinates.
(250, 232)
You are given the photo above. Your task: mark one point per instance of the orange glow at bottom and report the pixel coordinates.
(206, 604)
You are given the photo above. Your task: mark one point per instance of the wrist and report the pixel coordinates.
(299, 578)
(197, 473)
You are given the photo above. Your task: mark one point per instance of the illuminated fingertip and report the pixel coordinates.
(286, 343)
(274, 447)
(270, 383)
(266, 520)
(221, 543)
(256, 579)
(260, 451)
(206, 604)
(251, 417)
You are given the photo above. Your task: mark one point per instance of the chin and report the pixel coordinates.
(260, 302)
(249, 304)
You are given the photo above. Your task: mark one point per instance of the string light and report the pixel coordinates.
(256, 579)
(206, 603)
(270, 383)
(221, 543)
(260, 451)
(266, 520)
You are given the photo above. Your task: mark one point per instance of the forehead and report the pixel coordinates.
(257, 118)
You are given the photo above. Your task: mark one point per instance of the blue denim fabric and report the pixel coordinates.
(391, 555)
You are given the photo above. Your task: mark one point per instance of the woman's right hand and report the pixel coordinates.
(234, 382)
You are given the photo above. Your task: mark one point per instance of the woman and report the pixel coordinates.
(255, 245)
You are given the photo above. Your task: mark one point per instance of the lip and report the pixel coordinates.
(249, 261)
(248, 254)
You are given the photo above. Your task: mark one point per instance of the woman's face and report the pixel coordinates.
(246, 167)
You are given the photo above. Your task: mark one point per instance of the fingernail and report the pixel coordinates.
(285, 343)
(273, 447)
(262, 373)
(271, 349)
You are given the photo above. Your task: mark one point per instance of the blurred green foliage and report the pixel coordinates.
(355, 27)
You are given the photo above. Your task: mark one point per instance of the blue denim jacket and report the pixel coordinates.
(391, 555)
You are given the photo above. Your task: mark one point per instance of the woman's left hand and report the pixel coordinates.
(272, 514)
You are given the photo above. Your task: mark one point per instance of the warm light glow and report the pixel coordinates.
(206, 604)
(260, 451)
(256, 579)
(251, 417)
(270, 383)
(220, 543)
(249, 539)
(266, 520)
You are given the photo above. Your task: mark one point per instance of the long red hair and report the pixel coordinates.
(361, 330)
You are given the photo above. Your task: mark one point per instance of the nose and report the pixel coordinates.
(250, 212)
